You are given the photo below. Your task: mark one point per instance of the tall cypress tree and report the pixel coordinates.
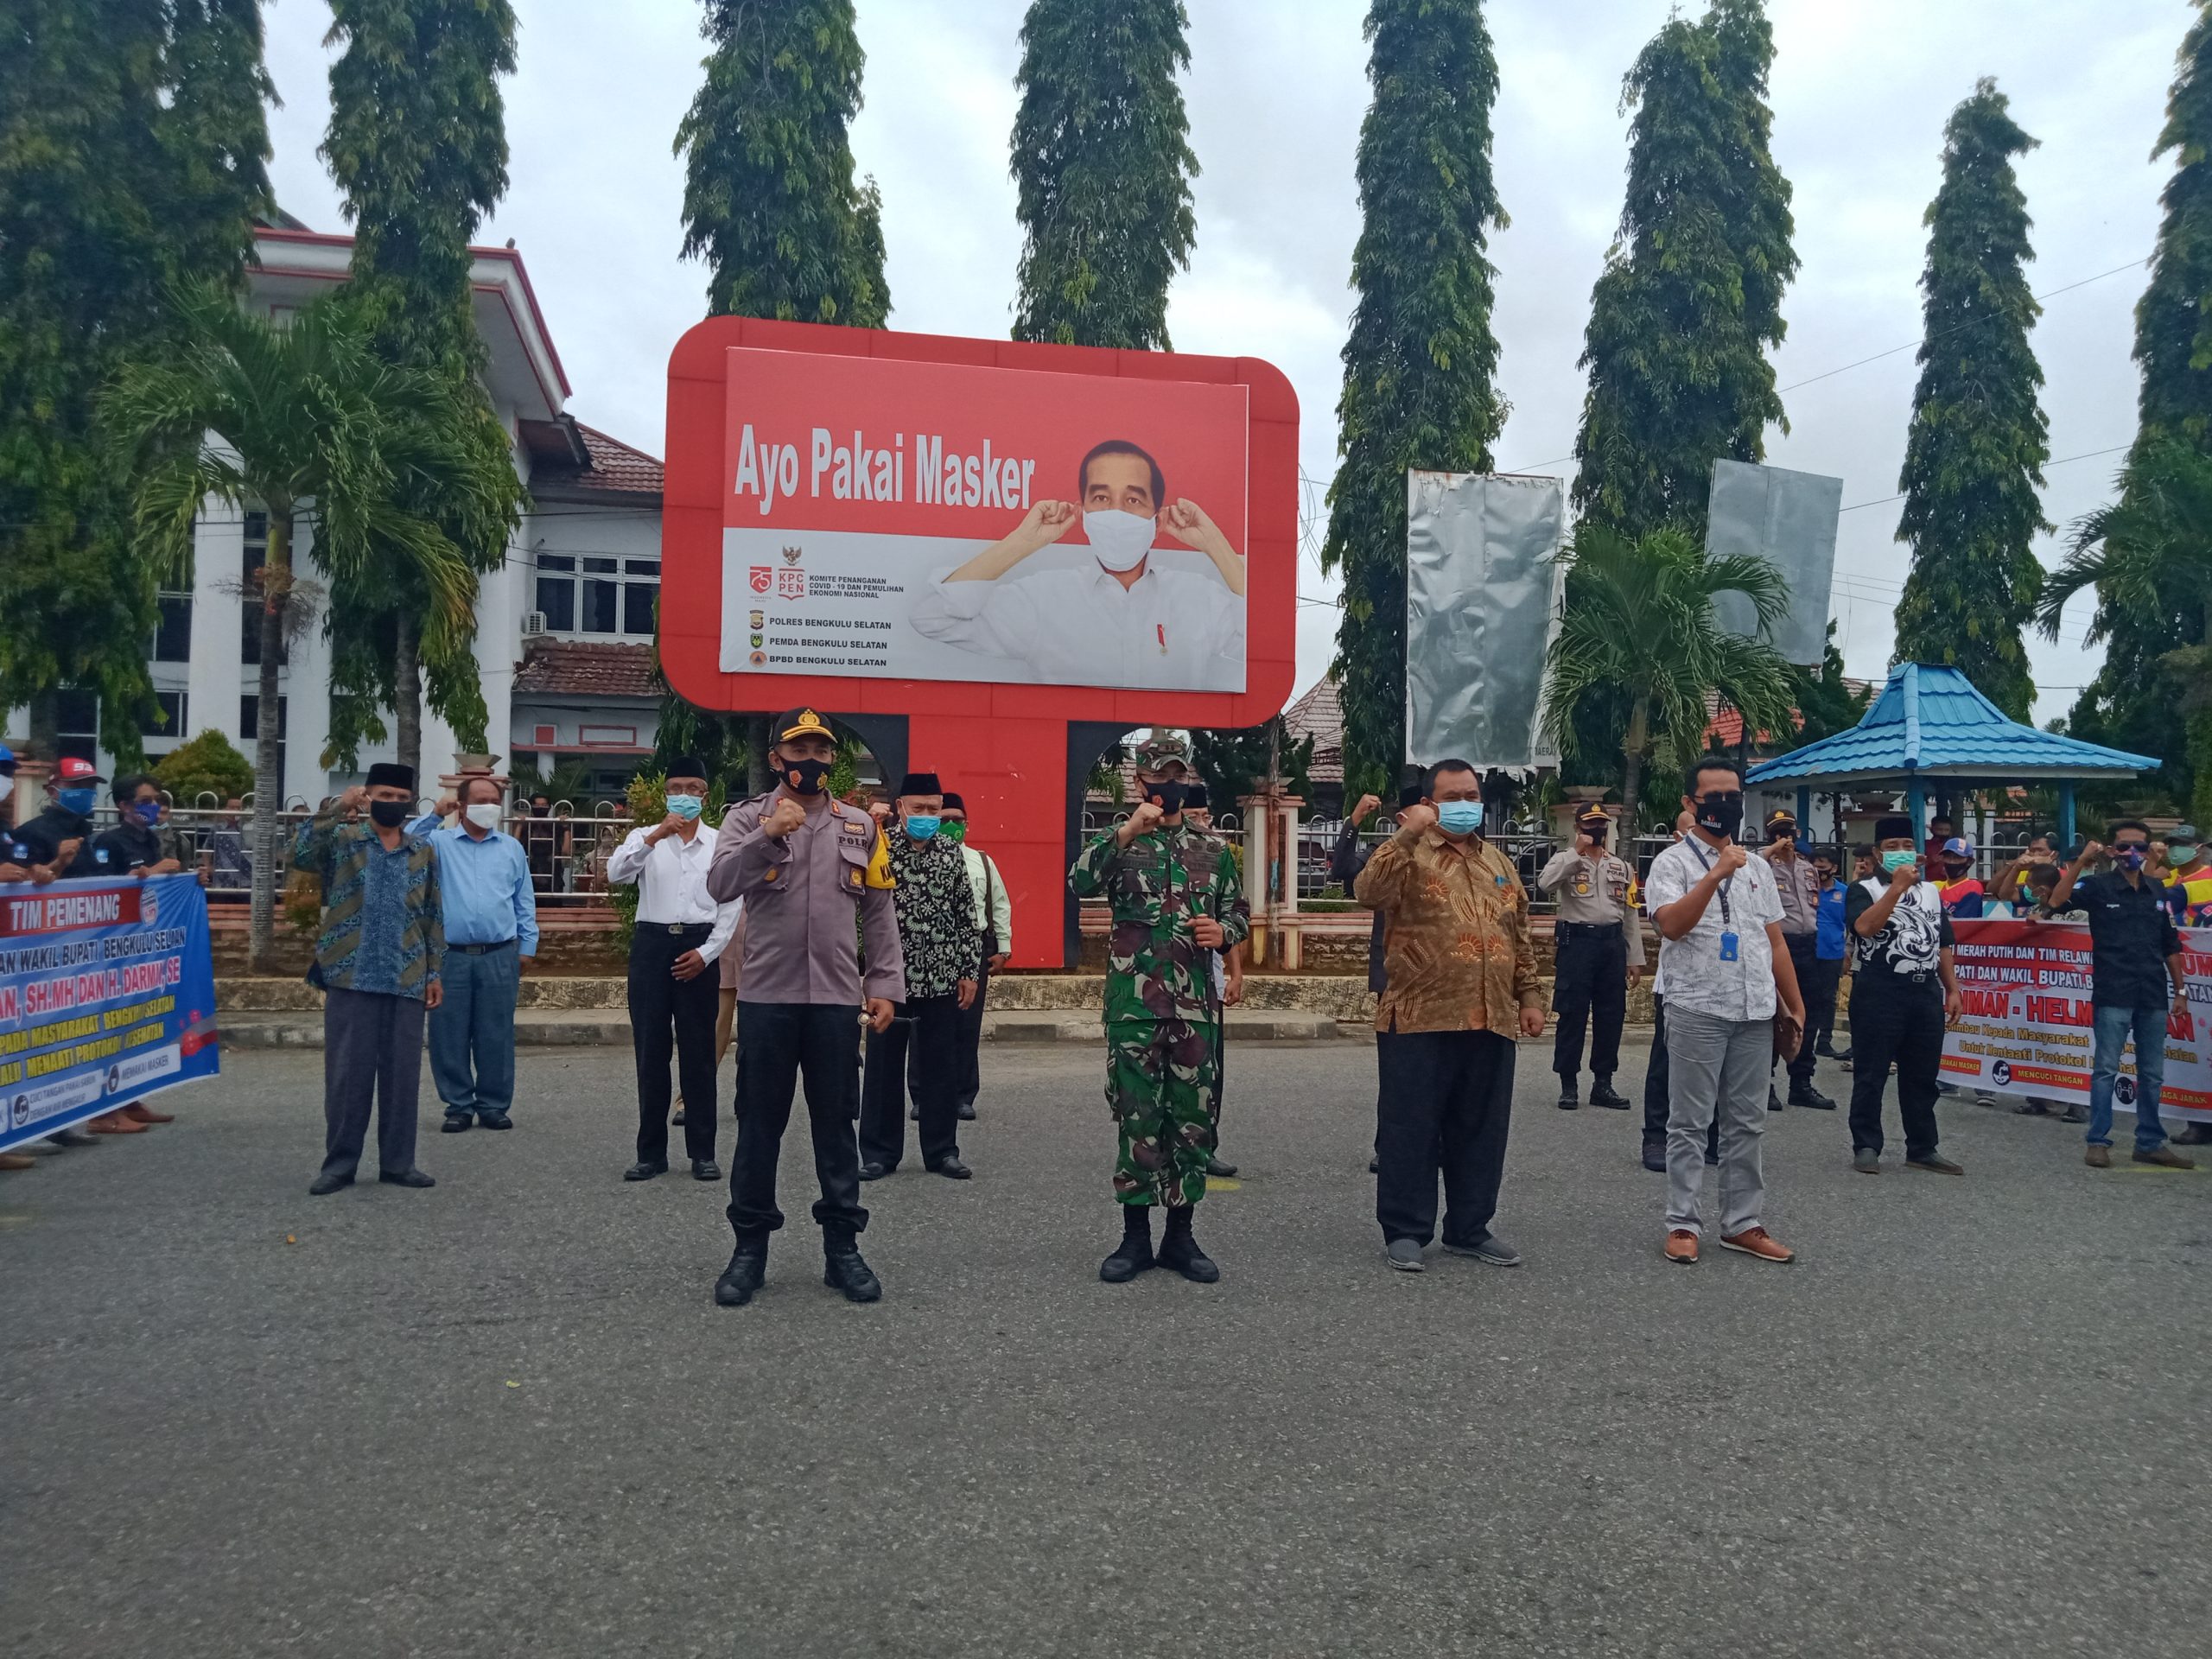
(1418, 366)
(1975, 453)
(2129, 703)
(771, 204)
(1690, 300)
(1102, 166)
(132, 143)
(417, 145)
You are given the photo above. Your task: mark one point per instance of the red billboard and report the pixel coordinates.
(991, 538)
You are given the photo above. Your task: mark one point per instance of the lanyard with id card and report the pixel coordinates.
(1730, 945)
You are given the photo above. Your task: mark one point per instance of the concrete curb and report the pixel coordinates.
(548, 1029)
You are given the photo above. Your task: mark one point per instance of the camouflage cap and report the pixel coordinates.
(1158, 748)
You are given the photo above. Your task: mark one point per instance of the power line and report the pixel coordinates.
(2086, 454)
(1971, 322)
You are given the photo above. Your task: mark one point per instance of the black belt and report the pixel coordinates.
(1868, 980)
(1588, 930)
(682, 930)
(482, 950)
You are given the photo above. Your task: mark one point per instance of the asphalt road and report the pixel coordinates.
(504, 1417)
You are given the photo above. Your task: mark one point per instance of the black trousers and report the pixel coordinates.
(1801, 957)
(776, 1043)
(1446, 1106)
(1591, 978)
(1656, 1076)
(660, 1003)
(920, 1050)
(1893, 1019)
(1820, 987)
(967, 1064)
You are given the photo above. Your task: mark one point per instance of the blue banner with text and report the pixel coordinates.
(107, 995)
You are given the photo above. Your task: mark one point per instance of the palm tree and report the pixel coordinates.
(305, 423)
(1639, 629)
(2148, 555)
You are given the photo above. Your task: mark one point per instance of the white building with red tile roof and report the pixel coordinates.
(564, 629)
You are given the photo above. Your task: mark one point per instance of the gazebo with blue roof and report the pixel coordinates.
(1930, 724)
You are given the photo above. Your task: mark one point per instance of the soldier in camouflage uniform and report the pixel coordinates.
(1176, 900)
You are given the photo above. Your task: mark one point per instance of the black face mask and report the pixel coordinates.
(1170, 797)
(1721, 813)
(804, 777)
(388, 814)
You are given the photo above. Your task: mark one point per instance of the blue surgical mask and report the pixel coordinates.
(148, 811)
(2130, 856)
(1459, 817)
(75, 800)
(922, 825)
(685, 806)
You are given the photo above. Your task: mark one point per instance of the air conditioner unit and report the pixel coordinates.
(533, 622)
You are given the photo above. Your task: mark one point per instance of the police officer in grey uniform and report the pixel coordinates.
(815, 879)
(1598, 942)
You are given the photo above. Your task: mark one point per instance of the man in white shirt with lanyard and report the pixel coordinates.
(681, 932)
(1726, 966)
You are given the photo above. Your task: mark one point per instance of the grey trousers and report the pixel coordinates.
(372, 1044)
(1716, 1069)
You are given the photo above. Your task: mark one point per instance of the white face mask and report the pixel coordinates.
(485, 815)
(1119, 540)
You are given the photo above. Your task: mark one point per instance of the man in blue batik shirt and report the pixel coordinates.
(491, 917)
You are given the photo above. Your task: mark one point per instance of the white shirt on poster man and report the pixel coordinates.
(1116, 618)
(672, 878)
(1693, 968)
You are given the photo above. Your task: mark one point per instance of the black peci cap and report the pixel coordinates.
(920, 783)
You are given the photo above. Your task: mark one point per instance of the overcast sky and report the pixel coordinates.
(1277, 90)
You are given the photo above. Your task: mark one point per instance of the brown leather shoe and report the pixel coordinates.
(139, 1112)
(2098, 1157)
(2167, 1158)
(114, 1123)
(1757, 1241)
(18, 1160)
(1682, 1247)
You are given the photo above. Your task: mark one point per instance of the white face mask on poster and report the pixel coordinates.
(1119, 540)
(485, 815)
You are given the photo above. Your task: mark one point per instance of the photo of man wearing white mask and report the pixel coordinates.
(1116, 616)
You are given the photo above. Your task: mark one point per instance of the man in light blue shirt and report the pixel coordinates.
(491, 917)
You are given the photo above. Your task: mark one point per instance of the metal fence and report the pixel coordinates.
(568, 849)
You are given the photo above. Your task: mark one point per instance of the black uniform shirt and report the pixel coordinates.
(2130, 935)
(38, 840)
(127, 849)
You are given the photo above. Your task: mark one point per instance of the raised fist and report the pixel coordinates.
(1366, 808)
(786, 816)
(1732, 858)
(1415, 818)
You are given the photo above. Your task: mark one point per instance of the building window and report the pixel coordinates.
(585, 594)
(173, 633)
(256, 556)
(173, 710)
(557, 591)
(77, 724)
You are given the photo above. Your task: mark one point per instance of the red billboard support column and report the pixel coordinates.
(868, 523)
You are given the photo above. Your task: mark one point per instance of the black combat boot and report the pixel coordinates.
(1602, 1093)
(1180, 1251)
(1568, 1099)
(1133, 1255)
(748, 1266)
(842, 1269)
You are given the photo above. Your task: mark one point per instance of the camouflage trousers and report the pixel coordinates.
(1163, 1089)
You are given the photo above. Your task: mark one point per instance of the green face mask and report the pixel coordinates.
(953, 831)
(1896, 858)
(2179, 853)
